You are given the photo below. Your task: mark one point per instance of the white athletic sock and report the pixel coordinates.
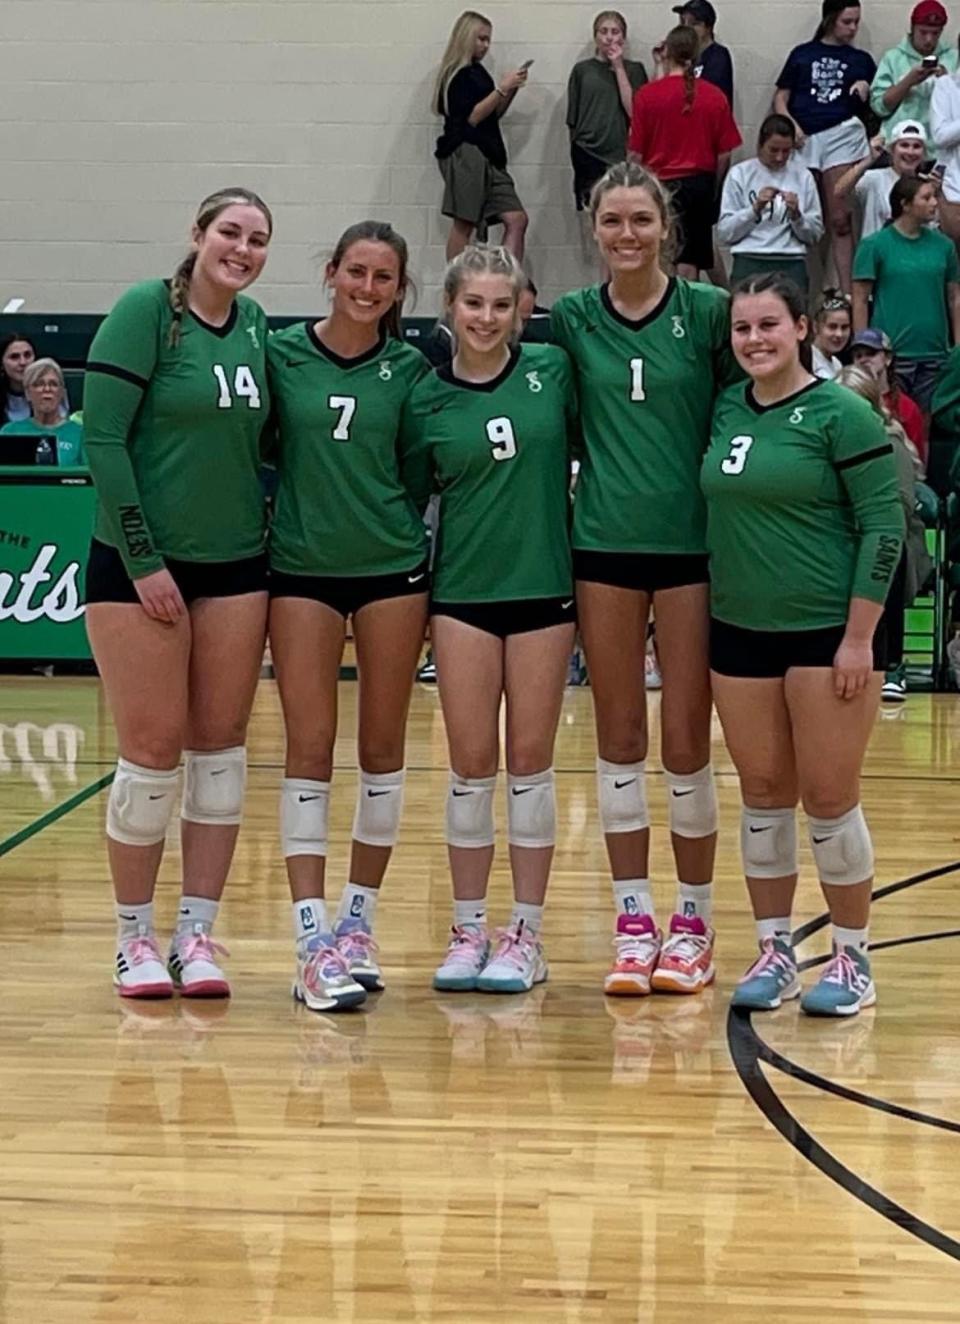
(310, 919)
(531, 915)
(774, 928)
(695, 900)
(632, 896)
(196, 910)
(856, 938)
(472, 912)
(131, 919)
(358, 902)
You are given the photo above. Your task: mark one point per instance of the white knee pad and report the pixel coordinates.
(470, 811)
(842, 848)
(768, 842)
(140, 804)
(532, 809)
(622, 796)
(213, 785)
(379, 805)
(304, 806)
(692, 802)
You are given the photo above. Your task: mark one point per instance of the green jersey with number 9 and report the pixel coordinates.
(803, 508)
(341, 506)
(646, 390)
(172, 433)
(498, 452)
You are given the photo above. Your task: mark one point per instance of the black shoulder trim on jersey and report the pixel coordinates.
(446, 374)
(643, 321)
(357, 361)
(112, 370)
(221, 331)
(758, 408)
(853, 460)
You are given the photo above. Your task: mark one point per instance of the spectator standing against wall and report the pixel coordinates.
(945, 132)
(478, 190)
(824, 87)
(714, 62)
(599, 104)
(770, 210)
(907, 73)
(683, 131)
(912, 275)
(871, 184)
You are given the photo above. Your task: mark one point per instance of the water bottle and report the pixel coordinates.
(45, 453)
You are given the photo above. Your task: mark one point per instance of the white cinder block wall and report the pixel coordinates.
(118, 116)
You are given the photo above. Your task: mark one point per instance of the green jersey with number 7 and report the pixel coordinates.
(803, 508)
(172, 432)
(646, 392)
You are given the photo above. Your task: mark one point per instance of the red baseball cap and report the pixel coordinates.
(928, 14)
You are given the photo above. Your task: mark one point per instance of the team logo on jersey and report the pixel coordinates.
(386, 370)
(679, 330)
(252, 333)
(798, 413)
(534, 382)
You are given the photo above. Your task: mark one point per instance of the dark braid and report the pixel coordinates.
(682, 47)
(179, 289)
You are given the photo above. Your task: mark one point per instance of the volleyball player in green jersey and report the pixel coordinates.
(346, 541)
(649, 352)
(805, 530)
(490, 434)
(175, 400)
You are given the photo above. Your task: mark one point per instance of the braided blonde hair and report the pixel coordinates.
(207, 213)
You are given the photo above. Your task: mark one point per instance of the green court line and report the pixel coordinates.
(51, 816)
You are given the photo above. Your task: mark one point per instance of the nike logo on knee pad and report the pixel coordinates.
(375, 793)
(521, 790)
(459, 794)
(620, 785)
(690, 792)
(762, 829)
(305, 798)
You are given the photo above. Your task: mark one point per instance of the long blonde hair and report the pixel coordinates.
(458, 55)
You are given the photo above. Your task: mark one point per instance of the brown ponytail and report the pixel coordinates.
(682, 46)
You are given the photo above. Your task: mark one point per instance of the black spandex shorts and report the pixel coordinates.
(506, 618)
(108, 581)
(346, 594)
(695, 207)
(647, 572)
(769, 654)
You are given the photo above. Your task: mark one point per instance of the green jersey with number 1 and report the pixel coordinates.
(341, 507)
(646, 392)
(172, 433)
(498, 453)
(803, 508)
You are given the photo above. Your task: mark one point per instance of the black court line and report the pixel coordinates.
(813, 926)
(44, 821)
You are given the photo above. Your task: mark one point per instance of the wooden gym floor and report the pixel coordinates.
(465, 1158)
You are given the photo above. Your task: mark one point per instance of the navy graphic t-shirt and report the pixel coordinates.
(819, 78)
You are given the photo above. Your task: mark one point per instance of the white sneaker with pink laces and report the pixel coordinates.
(517, 962)
(139, 971)
(193, 966)
(466, 956)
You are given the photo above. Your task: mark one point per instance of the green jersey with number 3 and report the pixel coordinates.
(341, 506)
(803, 508)
(172, 433)
(646, 390)
(499, 455)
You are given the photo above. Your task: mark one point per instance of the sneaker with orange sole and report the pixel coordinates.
(637, 944)
(686, 959)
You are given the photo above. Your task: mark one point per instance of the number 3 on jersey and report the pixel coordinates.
(736, 461)
(503, 442)
(244, 387)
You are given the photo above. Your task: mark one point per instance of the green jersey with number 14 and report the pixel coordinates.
(803, 508)
(173, 433)
(341, 507)
(498, 453)
(646, 391)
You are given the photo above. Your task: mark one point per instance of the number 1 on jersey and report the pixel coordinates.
(636, 380)
(347, 404)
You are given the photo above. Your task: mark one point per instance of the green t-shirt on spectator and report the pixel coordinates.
(69, 437)
(910, 278)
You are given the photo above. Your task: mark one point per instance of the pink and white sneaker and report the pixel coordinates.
(686, 959)
(139, 971)
(466, 956)
(517, 962)
(193, 967)
(637, 943)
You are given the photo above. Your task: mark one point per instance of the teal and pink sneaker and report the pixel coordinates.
(771, 980)
(466, 956)
(357, 946)
(844, 987)
(517, 962)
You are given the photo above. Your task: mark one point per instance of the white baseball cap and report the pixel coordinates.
(909, 129)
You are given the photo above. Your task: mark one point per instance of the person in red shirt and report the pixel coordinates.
(872, 349)
(684, 131)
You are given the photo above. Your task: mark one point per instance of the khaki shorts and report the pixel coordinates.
(475, 190)
(840, 146)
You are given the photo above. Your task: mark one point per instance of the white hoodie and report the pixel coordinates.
(945, 131)
(775, 234)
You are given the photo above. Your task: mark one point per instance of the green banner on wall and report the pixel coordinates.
(46, 519)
